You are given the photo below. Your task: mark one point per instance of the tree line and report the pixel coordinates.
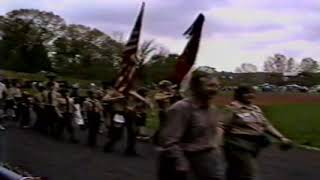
(279, 63)
(33, 41)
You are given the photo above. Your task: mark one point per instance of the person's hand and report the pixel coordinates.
(286, 144)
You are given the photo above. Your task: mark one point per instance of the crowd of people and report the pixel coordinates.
(60, 109)
(192, 132)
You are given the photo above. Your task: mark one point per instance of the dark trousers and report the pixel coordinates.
(39, 124)
(24, 115)
(65, 123)
(241, 164)
(162, 119)
(116, 132)
(50, 121)
(166, 169)
(93, 127)
(205, 165)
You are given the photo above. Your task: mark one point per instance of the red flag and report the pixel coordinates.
(188, 56)
(129, 59)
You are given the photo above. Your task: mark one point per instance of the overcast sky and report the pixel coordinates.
(235, 31)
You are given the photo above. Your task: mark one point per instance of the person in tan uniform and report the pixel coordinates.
(245, 135)
(92, 109)
(117, 102)
(164, 99)
(39, 100)
(66, 108)
(187, 138)
(13, 97)
(51, 109)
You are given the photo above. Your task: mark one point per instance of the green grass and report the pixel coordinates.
(300, 122)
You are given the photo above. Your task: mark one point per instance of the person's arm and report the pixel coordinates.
(113, 97)
(171, 134)
(136, 95)
(271, 130)
(161, 97)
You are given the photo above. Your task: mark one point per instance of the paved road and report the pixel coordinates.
(62, 161)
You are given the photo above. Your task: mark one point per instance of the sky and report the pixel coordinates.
(235, 31)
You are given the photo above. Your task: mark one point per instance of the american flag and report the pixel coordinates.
(130, 59)
(189, 54)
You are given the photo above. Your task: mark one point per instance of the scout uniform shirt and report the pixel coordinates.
(189, 128)
(118, 105)
(51, 100)
(66, 105)
(40, 98)
(246, 120)
(14, 92)
(92, 105)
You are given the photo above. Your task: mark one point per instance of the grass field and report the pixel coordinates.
(300, 122)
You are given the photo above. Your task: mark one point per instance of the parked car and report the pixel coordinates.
(268, 87)
(296, 88)
(315, 89)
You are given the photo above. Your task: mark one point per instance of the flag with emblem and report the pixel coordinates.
(189, 54)
(129, 58)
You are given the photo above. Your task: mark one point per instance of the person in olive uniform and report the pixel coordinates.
(188, 138)
(92, 109)
(245, 135)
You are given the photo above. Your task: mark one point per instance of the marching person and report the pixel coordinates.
(52, 79)
(141, 115)
(245, 135)
(124, 115)
(188, 138)
(3, 93)
(66, 108)
(117, 114)
(13, 96)
(51, 110)
(107, 105)
(92, 109)
(77, 116)
(164, 98)
(24, 107)
(135, 117)
(39, 108)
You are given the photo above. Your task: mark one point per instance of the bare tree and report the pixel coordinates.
(246, 68)
(277, 63)
(291, 65)
(308, 65)
(146, 49)
(118, 36)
